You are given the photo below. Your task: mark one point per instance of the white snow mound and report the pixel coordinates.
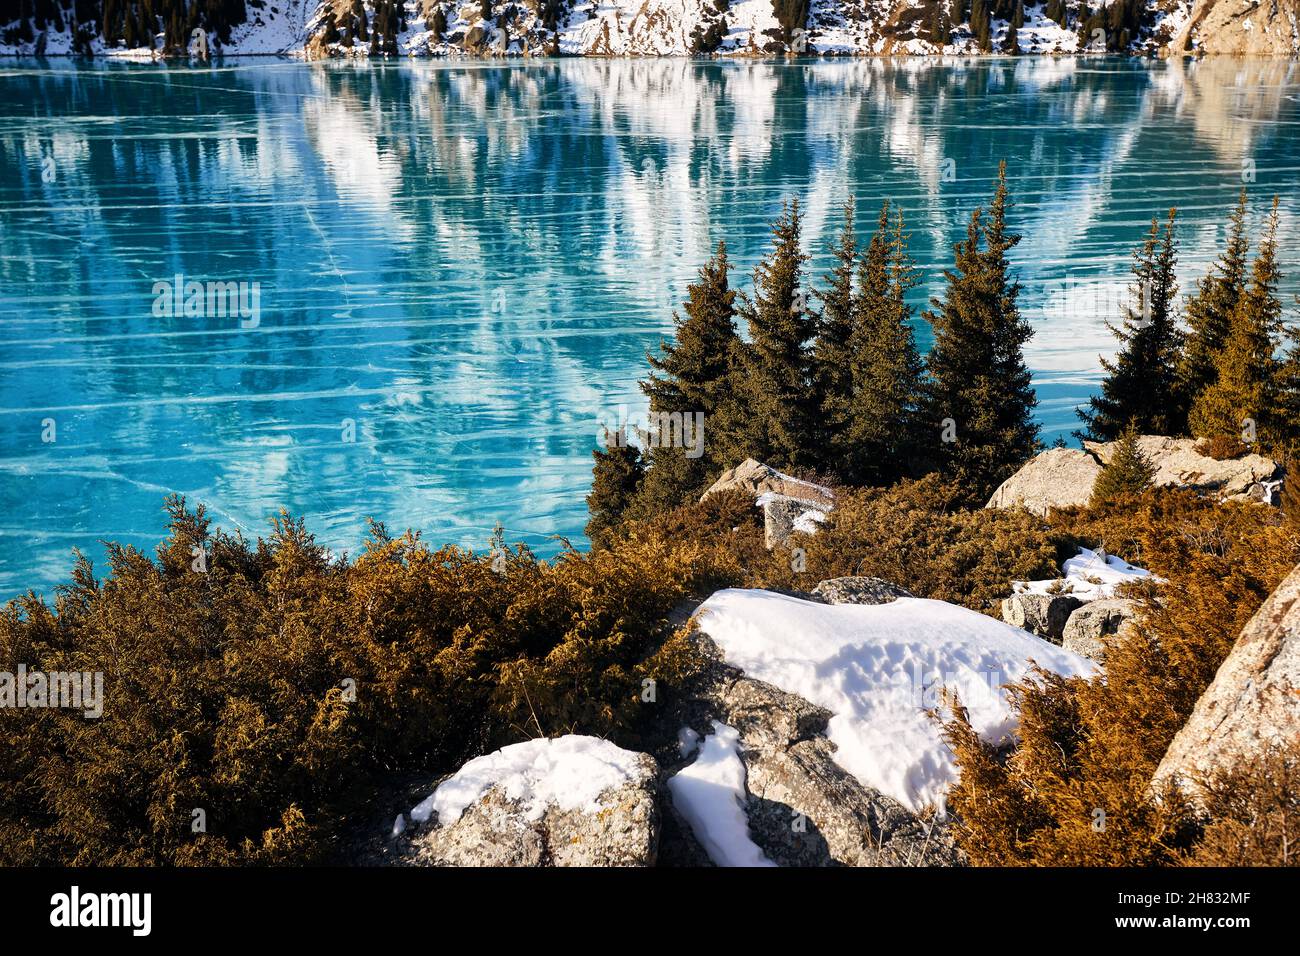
(879, 669)
(570, 772)
(1089, 576)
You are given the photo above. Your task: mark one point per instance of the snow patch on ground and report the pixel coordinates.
(881, 671)
(570, 772)
(807, 522)
(1089, 576)
(710, 794)
(687, 741)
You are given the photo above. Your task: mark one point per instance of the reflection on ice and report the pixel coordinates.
(468, 261)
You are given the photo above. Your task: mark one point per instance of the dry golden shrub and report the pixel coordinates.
(274, 689)
(1074, 789)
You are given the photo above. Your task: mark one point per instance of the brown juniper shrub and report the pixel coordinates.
(1085, 746)
(1222, 447)
(1291, 496)
(275, 690)
(1255, 813)
(916, 535)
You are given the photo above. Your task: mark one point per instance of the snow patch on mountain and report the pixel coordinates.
(622, 28)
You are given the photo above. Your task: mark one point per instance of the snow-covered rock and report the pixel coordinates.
(710, 794)
(785, 517)
(1252, 704)
(880, 672)
(756, 479)
(801, 807)
(1088, 576)
(566, 801)
(789, 504)
(1080, 608)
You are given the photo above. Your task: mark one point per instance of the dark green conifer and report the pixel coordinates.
(616, 478)
(1128, 475)
(980, 24)
(774, 367)
(832, 356)
(1209, 311)
(1141, 385)
(695, 377)
(883, 440)
(981, 398)
(1243, 398)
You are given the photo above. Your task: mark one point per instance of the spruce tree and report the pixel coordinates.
(695, 377)
(981, 397)
(1244, 392)
(1291, 495)
(437, 21)
(1209, 311)
(1141, 387)
(1129, 473)
(774, 367)
(980, 24)
(832, 358)
(939, 24)
(882, 441)
(1288, 400)
(615, 479)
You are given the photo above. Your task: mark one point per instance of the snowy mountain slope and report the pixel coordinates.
(667, 28)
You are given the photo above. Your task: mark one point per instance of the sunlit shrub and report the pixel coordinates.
(1074, 788)
(272, 690)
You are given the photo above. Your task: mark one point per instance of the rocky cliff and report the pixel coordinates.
(1241, 27)
(656, 27)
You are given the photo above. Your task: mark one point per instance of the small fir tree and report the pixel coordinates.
(1128, 475)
